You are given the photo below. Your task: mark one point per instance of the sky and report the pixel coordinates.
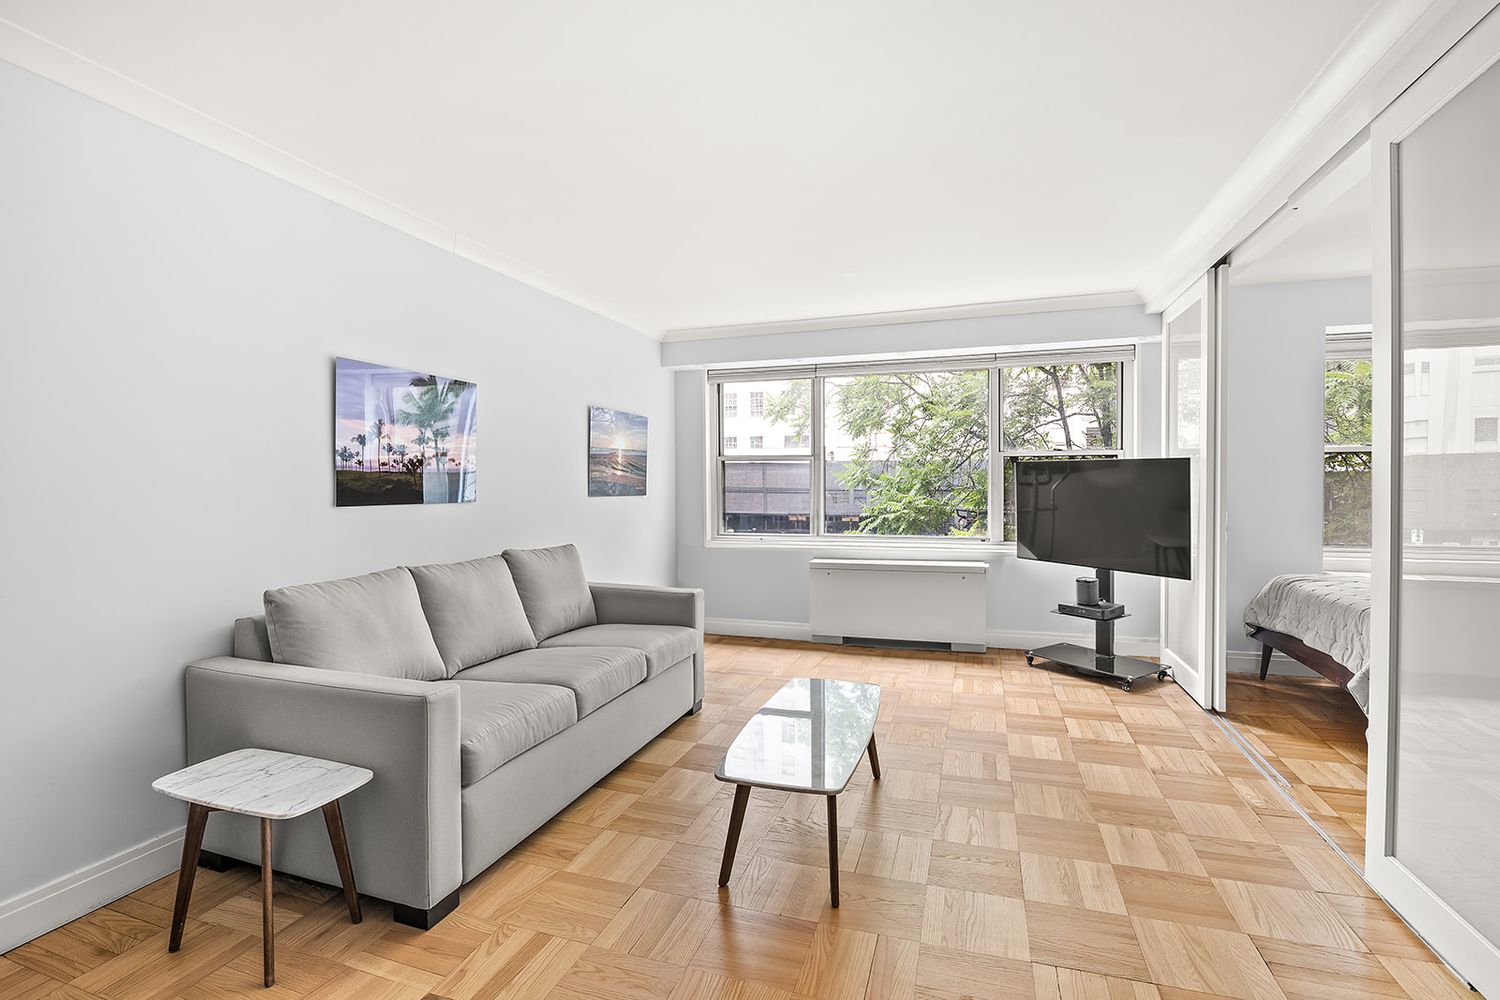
(365, 392)
(616, 429)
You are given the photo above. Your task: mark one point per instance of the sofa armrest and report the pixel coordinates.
(640, 604)
(404, 826)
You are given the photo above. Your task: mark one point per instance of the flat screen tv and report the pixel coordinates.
(1133, 515)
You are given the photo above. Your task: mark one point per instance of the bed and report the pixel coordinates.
(1320, 620)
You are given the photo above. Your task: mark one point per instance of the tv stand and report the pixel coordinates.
(1100, 661)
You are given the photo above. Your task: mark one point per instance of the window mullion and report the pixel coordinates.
(816, 472)
(996, 497)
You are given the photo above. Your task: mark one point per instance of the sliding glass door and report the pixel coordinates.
(1434, 826)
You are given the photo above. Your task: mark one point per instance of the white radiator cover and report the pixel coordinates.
(900, 599)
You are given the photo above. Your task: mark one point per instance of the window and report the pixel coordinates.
(1348, 395)
(1414, 436)
(1486, 430)
(763, 491)
(907, 450)
(907, 454)
(1416, 378)
(1057, 411)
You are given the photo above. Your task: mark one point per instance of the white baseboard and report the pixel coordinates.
(997, 639)
(1244, 662)
(47, 907)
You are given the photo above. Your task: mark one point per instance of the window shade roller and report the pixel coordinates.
(769, 373)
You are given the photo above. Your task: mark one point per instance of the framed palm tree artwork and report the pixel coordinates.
(401, 436)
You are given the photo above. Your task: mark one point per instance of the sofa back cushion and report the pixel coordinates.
(251, 641)
(365, 624)
(474, 611)
(553, 589)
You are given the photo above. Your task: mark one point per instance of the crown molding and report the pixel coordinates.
(1393, 45)
(47, 59)
(975, 310)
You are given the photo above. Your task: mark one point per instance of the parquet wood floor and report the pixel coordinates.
(1035, 835)
(1313, 734)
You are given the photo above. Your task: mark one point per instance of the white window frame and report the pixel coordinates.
(716, 537)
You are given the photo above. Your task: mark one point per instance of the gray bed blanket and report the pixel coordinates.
(1330, 613)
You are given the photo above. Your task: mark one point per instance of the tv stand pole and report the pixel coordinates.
(1100, 661)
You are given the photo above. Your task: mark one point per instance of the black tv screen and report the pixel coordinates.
(1128, 514)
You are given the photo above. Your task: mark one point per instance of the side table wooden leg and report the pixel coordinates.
(192, 843)
(833, 849)
(336, 836)
(874, 758)
(736, 820)
(267, 913)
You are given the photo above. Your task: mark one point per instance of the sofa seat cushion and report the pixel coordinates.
(595, 675)
(664, 645)
(499, 721)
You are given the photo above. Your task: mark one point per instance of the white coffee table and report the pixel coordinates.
(808, 738)
(270, 785)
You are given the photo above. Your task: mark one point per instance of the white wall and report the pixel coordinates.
(168, 323)
(1273, 357)
(765, 590)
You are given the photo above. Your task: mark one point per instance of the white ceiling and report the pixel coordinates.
(693, 164)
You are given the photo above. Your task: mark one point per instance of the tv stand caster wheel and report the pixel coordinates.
(1030, 660)
(1163, 674)
(1125, 685)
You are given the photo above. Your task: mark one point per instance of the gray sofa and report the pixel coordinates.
(486, 696)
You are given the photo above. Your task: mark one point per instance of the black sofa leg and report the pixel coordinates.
(425, 920)
(1265, 661)
(697, 707)
(214, 862)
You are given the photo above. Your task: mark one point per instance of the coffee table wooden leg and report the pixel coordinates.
(874, 758)
(833, 849)
(192, 843)
(736, 820)
(335, 820)
(267, 914)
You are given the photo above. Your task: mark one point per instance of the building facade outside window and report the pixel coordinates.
(731, 404)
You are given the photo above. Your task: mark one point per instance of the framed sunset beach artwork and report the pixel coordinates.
(617, 453)
(401, 436)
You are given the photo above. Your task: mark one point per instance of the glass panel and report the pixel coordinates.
(765, 418)
(1066, 407)
(1346, 499)
(907, 454)
(1182, 612)
(773, 498)
(1348, 401)
(1446, 679)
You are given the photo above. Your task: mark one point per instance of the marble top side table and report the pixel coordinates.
(270, 785)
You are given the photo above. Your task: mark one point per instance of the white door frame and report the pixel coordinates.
(1444, 929)
(1206, 680)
